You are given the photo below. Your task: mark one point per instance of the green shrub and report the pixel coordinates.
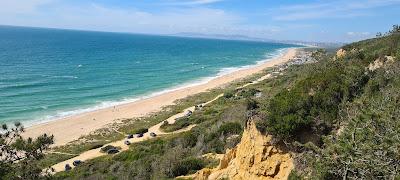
(187, 165)
(248, 93)
(251, 104)
(143, 150)
(179, 124)
(95, 146)
(367, 145)
(289, 112)
(315, 100)
(294, 175)
(140, 131)
(229, 94)
(230, 128)
(189, 139)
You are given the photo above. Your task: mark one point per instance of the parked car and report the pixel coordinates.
(152, 134)
(127, 142)
(106, 148)
(112, 151)
(130, 136)
(140, 135)
(76, 162)
(67, 167)
(188, 113)
(198, 107)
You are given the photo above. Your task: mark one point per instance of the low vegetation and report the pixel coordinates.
(140, 131)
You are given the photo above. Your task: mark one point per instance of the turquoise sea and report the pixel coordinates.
(48, 73)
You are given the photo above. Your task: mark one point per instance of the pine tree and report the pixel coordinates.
(18, 156)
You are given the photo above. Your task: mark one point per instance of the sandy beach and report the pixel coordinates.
(71, 128)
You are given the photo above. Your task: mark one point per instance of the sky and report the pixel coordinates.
(305, 20)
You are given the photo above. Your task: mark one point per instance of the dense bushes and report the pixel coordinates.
(313, 102)
(248, 93)
(289, 112)
(187, 165)
(230, 128)
(365, 141)
(373, 48)
(368, 145)
(179, 124)
(140, 131)
(251, 104)
(229, 94)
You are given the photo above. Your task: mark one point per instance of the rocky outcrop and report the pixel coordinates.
(380, 62)
(340, 53)
(253, 158)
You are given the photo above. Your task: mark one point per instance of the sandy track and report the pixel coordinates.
(87, 155)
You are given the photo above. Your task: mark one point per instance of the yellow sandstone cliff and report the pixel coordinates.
(253, 158)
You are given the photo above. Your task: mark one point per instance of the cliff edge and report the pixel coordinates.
(253, 158)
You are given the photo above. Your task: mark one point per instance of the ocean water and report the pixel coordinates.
(46, 74)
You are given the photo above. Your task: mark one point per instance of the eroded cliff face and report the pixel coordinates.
(253, 158)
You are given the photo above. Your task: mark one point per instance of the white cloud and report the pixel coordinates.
(330, 9)
(357, 36)
(94, 16)
(193, 2)
(358, 33)
(21, 6)
(104, 18)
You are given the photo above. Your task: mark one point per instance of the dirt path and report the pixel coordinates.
(94, 153)
(87, 155)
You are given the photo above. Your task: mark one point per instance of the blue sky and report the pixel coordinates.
(308, 20)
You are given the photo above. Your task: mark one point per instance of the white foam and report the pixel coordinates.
(66, 77)
(108, 104)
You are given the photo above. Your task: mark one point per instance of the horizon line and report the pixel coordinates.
(209, 36)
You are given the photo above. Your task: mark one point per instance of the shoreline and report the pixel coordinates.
(110, 104)
(72, 127)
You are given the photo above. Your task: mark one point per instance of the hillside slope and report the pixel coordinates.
(339, 118)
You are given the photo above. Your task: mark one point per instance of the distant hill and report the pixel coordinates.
(247, 38)
(219, 36)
